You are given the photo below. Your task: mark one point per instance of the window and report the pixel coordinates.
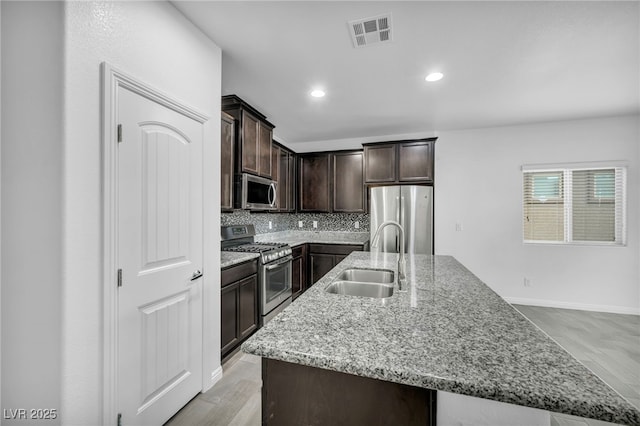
(604, 188)
(574, 204)
(546, 187)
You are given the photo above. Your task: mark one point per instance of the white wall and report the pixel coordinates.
(478, 184)
(32, 145)
(0, 208)
(52, 304)
(153, 42)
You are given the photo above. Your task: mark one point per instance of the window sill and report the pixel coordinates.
(573, 243)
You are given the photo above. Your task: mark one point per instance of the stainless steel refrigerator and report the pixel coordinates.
(412, 207)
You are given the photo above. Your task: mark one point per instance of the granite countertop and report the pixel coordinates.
(448, 332)
(295, 238)
(229, 258)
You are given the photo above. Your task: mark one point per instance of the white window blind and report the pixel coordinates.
(574, 205)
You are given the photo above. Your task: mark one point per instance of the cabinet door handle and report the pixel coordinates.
(197, 274)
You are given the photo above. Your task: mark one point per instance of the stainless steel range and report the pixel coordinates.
(274, 267)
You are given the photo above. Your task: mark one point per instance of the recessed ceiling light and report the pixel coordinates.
(317, 93)
(434, 76)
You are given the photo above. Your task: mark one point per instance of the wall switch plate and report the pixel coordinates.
(527, 282)
(270, 225)
(356, 224)
(315, 223)
(299, 224)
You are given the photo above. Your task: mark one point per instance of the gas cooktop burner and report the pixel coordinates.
(241, 238)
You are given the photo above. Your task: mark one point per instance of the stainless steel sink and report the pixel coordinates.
(382, 276)
(377, 283)
(366, 289)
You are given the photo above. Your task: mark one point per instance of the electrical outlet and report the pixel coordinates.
(356, 224)
(459, 227)
(270, 225)
(315, 223)
(300, 224)
(527, 282)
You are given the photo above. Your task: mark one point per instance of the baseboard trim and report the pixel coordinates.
(216, 375)
(577, 306)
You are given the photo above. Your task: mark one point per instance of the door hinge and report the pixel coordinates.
(119, 133)
(119, 419)
(119, 277)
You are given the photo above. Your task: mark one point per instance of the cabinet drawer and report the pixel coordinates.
(237, 272)
(334, 248)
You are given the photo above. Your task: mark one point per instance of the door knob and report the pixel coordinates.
(197, 274)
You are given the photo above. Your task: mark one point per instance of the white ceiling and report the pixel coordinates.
(505, 63)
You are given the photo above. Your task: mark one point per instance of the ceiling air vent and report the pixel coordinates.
(374, 30)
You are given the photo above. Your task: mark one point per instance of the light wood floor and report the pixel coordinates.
(234, 400)
(608, 344)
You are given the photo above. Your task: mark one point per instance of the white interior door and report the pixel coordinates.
(160, 249)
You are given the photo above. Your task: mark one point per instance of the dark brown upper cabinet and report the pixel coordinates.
(408, 161)
(286, 181)
(348, 182)
(253, 137)
(331, 182)
(265, 151)
(380, 163)
(249, 146)
(227, 140)
(314, 193)
(275, 171)
(415, 161)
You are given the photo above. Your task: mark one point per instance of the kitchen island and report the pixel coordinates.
(449, 332)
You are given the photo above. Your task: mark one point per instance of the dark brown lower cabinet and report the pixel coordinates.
(294, 394)
(229, 314)
(323, 258)
(319, 265)
(239, 305)
(299, 270)
(248, 306)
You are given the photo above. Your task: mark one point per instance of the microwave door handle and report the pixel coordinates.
(272, 194)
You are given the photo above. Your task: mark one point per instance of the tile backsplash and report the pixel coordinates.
(289, 221)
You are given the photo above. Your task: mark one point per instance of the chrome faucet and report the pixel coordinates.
(402, 279)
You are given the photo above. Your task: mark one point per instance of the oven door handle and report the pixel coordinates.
(276, 265)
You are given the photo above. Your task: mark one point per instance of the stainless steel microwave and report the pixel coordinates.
(255, 193)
